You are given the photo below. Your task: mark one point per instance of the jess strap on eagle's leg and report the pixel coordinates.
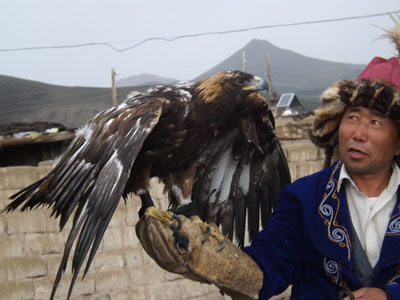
(232, 270)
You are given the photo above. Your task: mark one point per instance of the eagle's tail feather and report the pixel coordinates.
(240, 219)
(26, 195)
(253, 211)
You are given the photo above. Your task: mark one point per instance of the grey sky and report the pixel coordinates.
(27, 23)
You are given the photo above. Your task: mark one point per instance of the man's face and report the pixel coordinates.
(367, 141)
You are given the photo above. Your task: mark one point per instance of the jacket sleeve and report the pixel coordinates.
(278, 248)
(393, 291)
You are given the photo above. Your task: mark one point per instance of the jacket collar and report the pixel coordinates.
(331, 225)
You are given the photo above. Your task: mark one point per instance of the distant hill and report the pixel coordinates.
(144, 79)
(29, 101)
(291, 72)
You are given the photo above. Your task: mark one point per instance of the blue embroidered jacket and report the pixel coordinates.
(307, 243)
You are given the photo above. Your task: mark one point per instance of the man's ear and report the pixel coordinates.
(397, 151)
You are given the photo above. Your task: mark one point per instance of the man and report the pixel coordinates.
(334, 231)
(336, 234)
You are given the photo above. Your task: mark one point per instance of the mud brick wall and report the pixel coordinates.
(31, 247)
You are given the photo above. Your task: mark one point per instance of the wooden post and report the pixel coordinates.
(244, 60)
(113, 88)
(272, 92)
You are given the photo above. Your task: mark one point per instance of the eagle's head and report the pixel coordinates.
(230, 85)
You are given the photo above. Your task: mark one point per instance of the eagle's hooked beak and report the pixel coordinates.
(257, 84)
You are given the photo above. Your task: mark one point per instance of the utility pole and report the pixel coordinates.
(272, 92)
(244, 60)
(113, 88)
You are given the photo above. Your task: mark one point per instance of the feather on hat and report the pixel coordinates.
(377, 88)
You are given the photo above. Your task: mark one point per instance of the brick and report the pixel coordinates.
(4, 196)
(151, 270)
(136, 294)
(42, 244)
(17, 177)
(53, 262)
(131, 215)
(26, 222)
(103, 296)
(129, 237)
(53, 224)
(189, 289)
(300, 151)
(16, 290)
(293, 171)
(11, 245)
(44, 170)
(108, 261)
(25, 267)
(212, 296)
(111, 281)
(173, 276)
(3, 273)
(44, 286)
(2, 224)
(307, 168)
(165, 291)
(133, 258)
(112, 239)
(118, 217)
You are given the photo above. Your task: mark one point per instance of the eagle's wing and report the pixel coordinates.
(241, 175)
(91, 176)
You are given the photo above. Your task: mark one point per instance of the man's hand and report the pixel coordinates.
(231, 269)
(369, 294)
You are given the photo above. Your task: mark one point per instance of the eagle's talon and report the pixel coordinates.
(179, 249)
(178, 220)
(223, 245)
(210, 230)
(180, 240)
(207, 235)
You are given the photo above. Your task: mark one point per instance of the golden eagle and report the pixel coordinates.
(211, 142)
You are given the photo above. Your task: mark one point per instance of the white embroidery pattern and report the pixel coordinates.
(335, 233)
(393, 280)
(394, 226)
(332, 269)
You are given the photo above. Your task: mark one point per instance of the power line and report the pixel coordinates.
(171, 39)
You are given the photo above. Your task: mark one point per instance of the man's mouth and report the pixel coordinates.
(356, 152)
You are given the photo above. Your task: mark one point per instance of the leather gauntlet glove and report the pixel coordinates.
(232, 270)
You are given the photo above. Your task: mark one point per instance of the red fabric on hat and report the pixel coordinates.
(381, 68)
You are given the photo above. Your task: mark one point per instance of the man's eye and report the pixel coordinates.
(376, 122)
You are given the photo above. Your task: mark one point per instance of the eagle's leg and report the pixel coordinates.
(141, 184)
(189, 210)
(181, 186)
(149, 209)
(167, 217)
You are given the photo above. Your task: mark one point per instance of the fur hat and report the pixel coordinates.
(377, 88)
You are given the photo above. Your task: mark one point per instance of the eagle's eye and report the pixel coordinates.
(240, 81)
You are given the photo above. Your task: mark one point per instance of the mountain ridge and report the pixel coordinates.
(144, 79)
(305, 76)
(28, 101)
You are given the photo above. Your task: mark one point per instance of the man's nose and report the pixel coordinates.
(360, 132)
